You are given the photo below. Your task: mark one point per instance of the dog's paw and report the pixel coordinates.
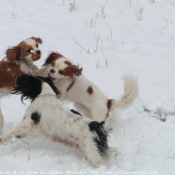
(113, 150)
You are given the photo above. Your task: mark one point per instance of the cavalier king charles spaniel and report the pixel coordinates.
(18, 60)
(85, 95)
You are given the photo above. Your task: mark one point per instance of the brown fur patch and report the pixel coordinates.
(70, 86)
(109, 104)
(38, 40)
(90, 90)
(14, 53)
(9, 72)
(72, 70)
(68, 63)
(52, 57)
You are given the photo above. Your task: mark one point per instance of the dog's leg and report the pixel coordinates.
(19, 131)
(99, 113)
(40, 72)
(83, 109)
(91, 151)
(1, 121)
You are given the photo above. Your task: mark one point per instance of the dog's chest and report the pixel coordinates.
(27, 68)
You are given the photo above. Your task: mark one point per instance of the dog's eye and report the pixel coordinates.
(61, 72)
(30, 50)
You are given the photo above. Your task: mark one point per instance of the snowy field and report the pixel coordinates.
(108, 39)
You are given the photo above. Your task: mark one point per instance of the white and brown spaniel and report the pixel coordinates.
(18, 60)
(85, 95)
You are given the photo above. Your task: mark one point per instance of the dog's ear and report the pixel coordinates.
(24, 79)
(77, 71)
(28, 86)
(14, 53)
(50, 58)
(38, 40)
(72, 70)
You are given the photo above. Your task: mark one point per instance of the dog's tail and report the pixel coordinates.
(1, 121)
(130, 94)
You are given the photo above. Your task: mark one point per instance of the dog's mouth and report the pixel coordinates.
(53, 79)
(35, 58)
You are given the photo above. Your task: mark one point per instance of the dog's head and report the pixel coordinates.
(31, 87)
(60, 67)
(27, 49)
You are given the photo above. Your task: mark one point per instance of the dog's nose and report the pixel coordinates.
(38, 52)
(52, 70)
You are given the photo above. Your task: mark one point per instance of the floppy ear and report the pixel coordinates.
(72, 70)
(14, 53)
(49, 59)
(77, 71)
(28, 86)
(38, 40)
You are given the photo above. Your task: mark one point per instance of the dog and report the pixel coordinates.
(18, 60)
(85, 95)
(47, 115)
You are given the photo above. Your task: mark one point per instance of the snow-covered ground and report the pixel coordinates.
(108, 39)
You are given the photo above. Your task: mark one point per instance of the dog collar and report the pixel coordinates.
(70, 86)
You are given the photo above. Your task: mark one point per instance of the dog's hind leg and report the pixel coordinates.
(92, 152)
(19, 131)
(1, 121)
(86, 112)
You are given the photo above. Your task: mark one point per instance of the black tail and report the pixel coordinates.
(101, 136)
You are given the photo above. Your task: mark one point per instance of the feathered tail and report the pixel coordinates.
(130, 93)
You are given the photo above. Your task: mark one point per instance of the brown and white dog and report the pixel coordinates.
(18, 60)
(85, 95)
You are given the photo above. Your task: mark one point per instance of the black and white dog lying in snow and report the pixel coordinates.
(49, 116)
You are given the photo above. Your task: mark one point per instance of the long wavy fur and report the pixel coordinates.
(30, 87)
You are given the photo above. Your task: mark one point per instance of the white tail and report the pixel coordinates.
(130, 93)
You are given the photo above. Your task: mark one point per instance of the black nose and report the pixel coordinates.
(52, 71)
(38, 52)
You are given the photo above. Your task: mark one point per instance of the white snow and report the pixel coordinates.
(107, 45)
